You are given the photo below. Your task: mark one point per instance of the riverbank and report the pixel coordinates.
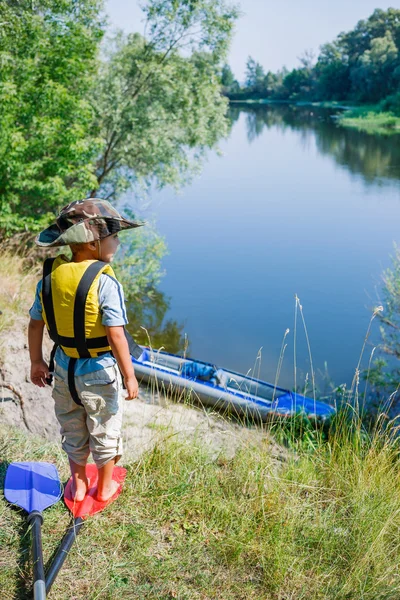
(371, 120)
(368, 118)
(209, 509)
(30, 408)
(322, 524)
(333, 104)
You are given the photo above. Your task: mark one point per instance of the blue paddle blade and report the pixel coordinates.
(32, 485)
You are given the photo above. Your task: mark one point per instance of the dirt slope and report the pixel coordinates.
(146, 420)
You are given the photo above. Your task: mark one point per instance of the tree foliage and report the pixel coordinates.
(361, 65)
(376, 69)
(254, 73)
(228, 82)
(74, 124)
(48, 61)
(156, 112)
(384, 375)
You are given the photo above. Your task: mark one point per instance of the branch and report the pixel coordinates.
(103, 174)
(162, 59)
(391, 351)
(103, 162)
(386, 321)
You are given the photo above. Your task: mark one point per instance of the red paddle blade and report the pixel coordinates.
(90, 505)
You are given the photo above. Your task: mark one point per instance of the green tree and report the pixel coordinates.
(370, 51)
(228, 81)
(357, 41)
(373, 76)
(271, 84)
(48, 60)
(254, 74)
(392, 103)
(227, 76)
(158, 103)
(360, 65)
(298, 84)
(71, 125)
(384, 376)
(332, 73)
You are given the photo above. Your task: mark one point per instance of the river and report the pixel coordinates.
(294, 206)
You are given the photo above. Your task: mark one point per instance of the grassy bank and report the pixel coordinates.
(368, 118)
(371, 120)
(332, 104)
(321, 524)
(325, 525)
(19, 276)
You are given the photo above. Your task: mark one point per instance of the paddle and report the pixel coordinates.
(81, 510)
(34, 486)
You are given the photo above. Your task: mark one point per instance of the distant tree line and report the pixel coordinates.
(362, 65)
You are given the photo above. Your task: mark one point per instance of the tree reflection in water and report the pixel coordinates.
(147, 323)
(373, 156)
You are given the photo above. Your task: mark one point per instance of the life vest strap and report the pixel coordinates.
(81, 343)
(78, 341)
(91, 343)
(47, 298)
(71, 381)
(49, 379)
(134, 349)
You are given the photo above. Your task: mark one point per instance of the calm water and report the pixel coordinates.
(295, 205)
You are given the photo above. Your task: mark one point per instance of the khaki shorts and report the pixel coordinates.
(96, 425)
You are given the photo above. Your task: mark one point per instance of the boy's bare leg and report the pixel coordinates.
(106, 486)
(80, 482)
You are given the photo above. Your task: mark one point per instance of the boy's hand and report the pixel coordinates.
(39, 372)
(132, 387)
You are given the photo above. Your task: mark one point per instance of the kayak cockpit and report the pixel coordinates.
(209, 374)
(218, 386)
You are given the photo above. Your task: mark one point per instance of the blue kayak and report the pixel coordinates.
(223, 389)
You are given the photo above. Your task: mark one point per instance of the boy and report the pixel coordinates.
(82, 305)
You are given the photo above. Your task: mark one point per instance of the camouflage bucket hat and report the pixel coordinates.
(84, 221)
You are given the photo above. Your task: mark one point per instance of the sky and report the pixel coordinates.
(273, 32)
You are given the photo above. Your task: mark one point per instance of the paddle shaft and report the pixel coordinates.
(39, 587)
(62, 552)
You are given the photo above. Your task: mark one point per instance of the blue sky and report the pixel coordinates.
(274, 32)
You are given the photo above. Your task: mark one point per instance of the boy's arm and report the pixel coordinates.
(39, 369)
(119, 345)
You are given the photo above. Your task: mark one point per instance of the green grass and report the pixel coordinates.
(324, 524)
(368, 118)
(371, 120)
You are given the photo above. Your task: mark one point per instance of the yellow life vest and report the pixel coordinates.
(71, 308)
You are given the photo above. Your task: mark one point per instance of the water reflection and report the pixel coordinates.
(323, 255)
(147, 323)
(375, 157)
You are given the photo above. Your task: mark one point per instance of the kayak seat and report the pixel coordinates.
(198, 371)
(222, 378)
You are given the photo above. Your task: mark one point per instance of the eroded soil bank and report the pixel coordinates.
(146, 421)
